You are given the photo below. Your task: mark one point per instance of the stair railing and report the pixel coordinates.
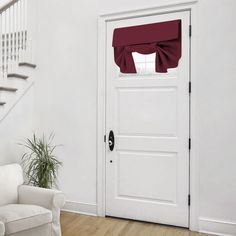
(14, 41)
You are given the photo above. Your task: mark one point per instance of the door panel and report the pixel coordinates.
(147, 173)
(133, 185)
(147, 121)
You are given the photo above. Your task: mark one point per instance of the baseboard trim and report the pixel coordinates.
(81, 208)
(217, 227)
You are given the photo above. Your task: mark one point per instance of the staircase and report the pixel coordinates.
(16, 55)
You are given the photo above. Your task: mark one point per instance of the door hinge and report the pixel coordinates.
(105, 138)
(189, 200)
(190, 30)
(189, 143)
(189, 87)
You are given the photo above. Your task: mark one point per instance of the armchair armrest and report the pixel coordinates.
(2, 229)
(47, 198)
(51, 199)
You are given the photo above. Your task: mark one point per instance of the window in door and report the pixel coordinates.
(145, 66)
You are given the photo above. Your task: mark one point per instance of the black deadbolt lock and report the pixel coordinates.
(111, 140)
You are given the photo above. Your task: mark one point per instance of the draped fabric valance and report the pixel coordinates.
(162, 38)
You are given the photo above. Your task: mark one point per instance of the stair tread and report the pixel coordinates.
(2, 103)
(27, 64)
(16, 75)
(8, 89)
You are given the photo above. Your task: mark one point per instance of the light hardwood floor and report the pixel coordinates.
(82, 225)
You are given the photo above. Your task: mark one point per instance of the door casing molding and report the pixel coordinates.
(180, 5)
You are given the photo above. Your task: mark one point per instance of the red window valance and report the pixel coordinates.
(162, 38)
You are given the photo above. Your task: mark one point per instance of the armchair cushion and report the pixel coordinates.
(19, 217)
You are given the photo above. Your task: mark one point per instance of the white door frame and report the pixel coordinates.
(181, 5)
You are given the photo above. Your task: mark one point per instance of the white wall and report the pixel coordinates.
(216, 112)
(66, 98)
(66, 90)
(15, 127)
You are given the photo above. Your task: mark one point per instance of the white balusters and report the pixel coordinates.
(14, 33)
(8, 38)
(4, 34)
(21, 29)
(25, 25)
(1, 49)
(14, 43)
(18, 30)
(10, 61)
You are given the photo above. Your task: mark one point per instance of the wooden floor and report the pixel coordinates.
(82, 225)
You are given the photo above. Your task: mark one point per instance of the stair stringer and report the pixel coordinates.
(11, 99)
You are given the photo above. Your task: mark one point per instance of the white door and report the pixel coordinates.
(147, 173)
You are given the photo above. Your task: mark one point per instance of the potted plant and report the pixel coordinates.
(40, 163)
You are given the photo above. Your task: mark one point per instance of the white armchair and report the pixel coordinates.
(27, 210)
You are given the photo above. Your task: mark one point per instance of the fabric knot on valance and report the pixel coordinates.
(163, 38)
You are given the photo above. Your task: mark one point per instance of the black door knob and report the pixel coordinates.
(111, 140)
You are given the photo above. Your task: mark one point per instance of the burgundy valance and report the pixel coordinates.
(162, 38)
